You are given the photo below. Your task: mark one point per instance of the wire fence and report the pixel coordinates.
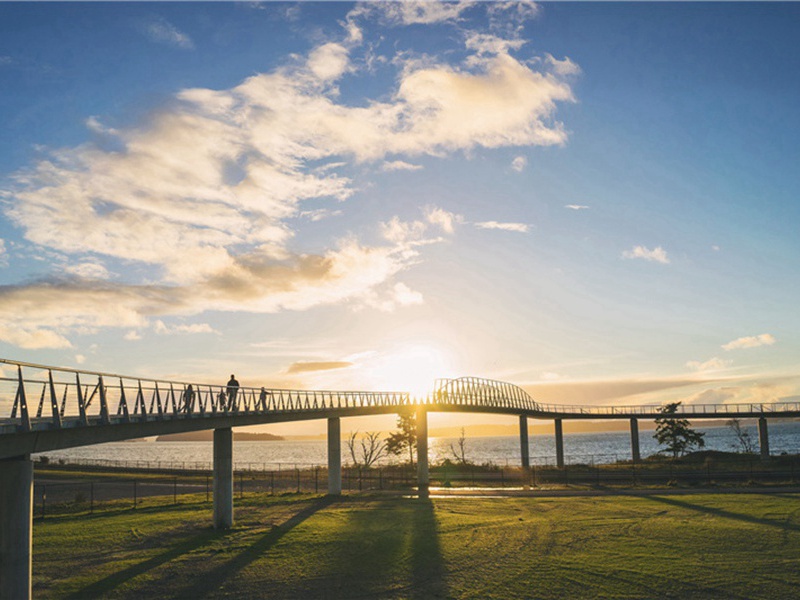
(55, 493)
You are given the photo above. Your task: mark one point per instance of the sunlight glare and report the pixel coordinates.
(411, 369)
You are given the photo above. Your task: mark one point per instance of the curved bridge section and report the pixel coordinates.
(484, 393)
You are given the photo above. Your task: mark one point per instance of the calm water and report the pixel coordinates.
(578, 448)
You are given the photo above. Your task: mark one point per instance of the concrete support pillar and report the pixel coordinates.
(763, 438)
(635, 441)
(559, 444)
(523, 441)
(334, 456)
(223, 478)
(16, 527)
(423, 479)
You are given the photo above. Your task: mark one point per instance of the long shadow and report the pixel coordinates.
(724, 513)
(210, 582)
(428, 571)
(102, 587)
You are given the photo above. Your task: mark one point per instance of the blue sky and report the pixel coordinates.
(596, 201)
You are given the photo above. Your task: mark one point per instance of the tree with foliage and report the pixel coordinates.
(743, 439)
(675, 433)
(404, 439)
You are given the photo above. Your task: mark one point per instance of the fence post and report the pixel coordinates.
(134, 494)
(297, 471)
(272, 483)
(44, 499)
(91, 498)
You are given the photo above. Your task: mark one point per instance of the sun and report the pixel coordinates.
(411, 368)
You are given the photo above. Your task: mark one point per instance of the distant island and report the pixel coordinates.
(208, 436)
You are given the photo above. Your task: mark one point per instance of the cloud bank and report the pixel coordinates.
(196, 209)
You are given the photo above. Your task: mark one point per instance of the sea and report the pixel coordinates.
(583, 448)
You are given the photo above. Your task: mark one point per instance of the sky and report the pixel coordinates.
(597, 202)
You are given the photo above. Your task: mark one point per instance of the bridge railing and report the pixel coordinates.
(36, 397)
(31, 394)
(688, 410)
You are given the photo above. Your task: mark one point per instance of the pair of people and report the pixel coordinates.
(233, 390)
(229, 394)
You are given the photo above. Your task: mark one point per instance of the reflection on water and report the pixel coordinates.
(505, 450)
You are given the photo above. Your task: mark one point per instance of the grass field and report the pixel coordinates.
(301, 546)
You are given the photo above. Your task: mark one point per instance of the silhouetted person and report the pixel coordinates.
(188, 399)
(233, 389)
(263, 398)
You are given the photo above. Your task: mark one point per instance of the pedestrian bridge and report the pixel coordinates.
(45, 408)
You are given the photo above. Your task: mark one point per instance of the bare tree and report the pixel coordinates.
(743, 439)
(460, 453)
(369, 450)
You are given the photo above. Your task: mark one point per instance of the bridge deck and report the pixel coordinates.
(45, 408)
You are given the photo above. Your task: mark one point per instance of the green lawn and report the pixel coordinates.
(665, 546)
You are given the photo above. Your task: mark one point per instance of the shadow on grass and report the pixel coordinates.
(428, 570)
(106, 585)
(205, 583)
(210, 582)
(726, 514)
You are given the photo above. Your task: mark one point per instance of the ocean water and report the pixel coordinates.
(590, 448)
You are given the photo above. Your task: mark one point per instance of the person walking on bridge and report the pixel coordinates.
(233, 390)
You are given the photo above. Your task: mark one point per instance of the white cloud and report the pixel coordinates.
(211, 184)
(319, 214)
(396, 296)
(657, 254)
(88, 271)
(444, 219)
(576, 206)
(512, 14)
(517, 227)
(412, 12)
(182, 329)
(486, 43)
(162, 31)
(94, 124)
(714, 396)
(32, 338)
(712, 364)
(3, 255)
(329, 61)
(563, 67)
(400, 165)
(80, 359)
(519, 163)
(132, 335)
(405, 296)
(765, 339)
